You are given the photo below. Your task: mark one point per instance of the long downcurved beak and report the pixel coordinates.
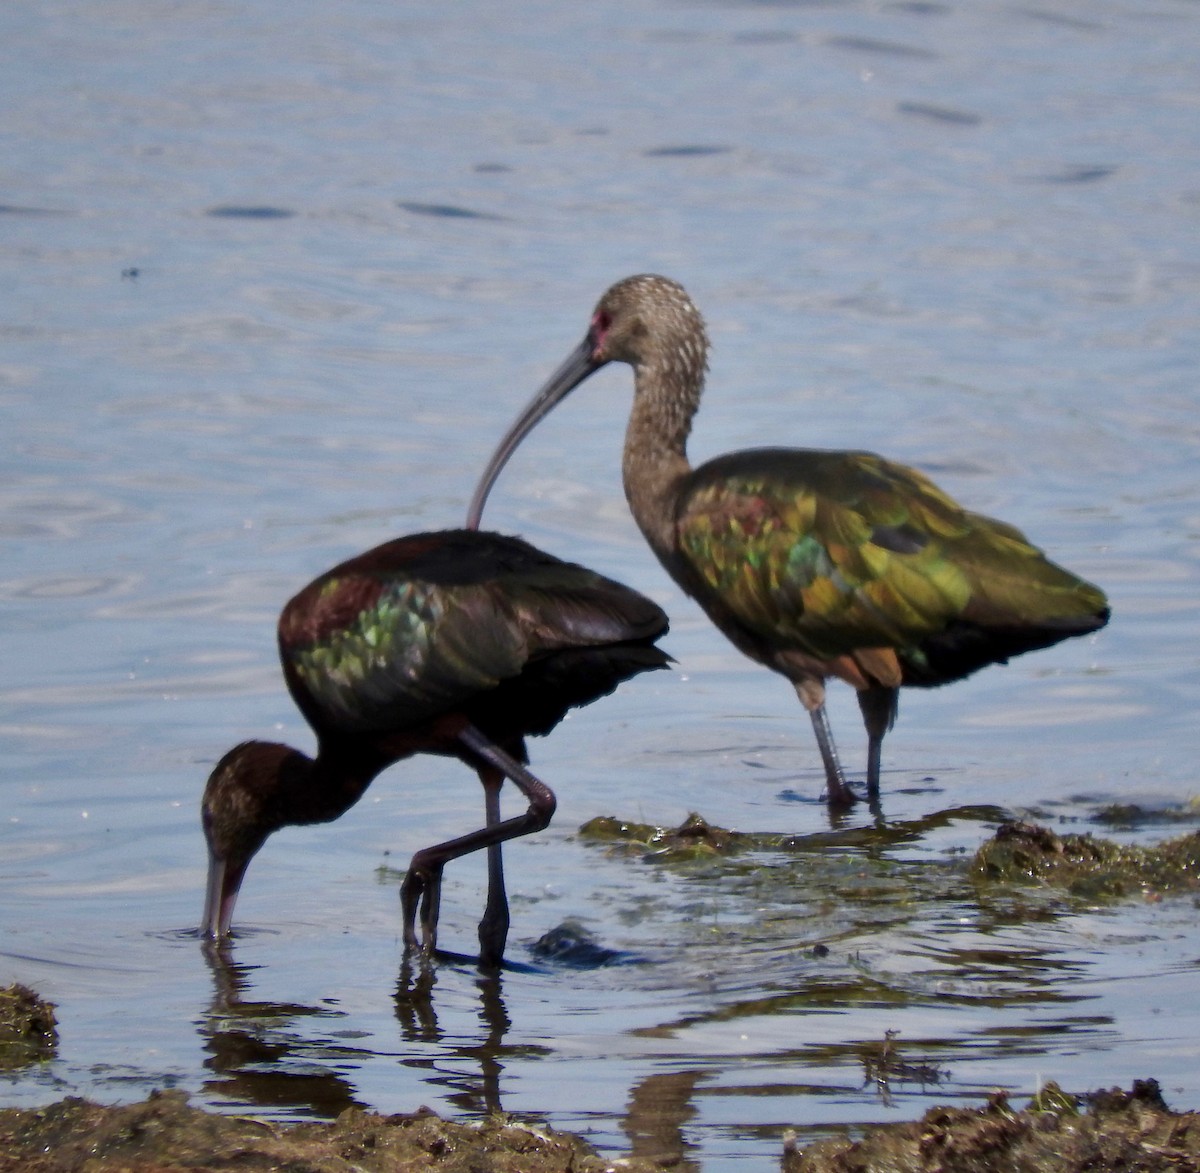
(579, 364)
(220, 895)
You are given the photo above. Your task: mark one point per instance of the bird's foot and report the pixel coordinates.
(839, 795)
(420, 899)
(844, 797)
(493, 935)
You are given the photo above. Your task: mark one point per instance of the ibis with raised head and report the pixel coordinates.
(816, 563)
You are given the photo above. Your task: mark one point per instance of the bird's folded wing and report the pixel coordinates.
(842, 551)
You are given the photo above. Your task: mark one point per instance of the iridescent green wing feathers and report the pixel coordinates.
(408, 652)
(394, 637)
(836, 551)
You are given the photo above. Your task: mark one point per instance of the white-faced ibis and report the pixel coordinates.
(814, 563)
(457, 643)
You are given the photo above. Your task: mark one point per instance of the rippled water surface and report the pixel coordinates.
(277, 276)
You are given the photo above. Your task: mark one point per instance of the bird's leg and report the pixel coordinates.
(422, 887)
(493, 928)
(423, 882)
(879, 707)
(837, 793)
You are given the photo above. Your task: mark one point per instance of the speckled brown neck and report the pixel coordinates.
(655, 459)
(660, 333)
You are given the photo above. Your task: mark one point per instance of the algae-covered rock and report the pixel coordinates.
(1120, 1132)
(694, 838)
(1132, 814)
(1086, 866)
(28, 1030)
(163, 1133)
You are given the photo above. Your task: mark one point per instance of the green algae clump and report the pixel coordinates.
(694, 838)
(28, 1030)
(1088, 867)
(1130, 1132)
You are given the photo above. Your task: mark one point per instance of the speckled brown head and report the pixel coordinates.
(650, 323)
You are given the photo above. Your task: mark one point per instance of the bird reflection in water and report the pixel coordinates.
(258, 1056)
(264, 1055)
(472, 1086)
(657, 1111)
(659, 1107)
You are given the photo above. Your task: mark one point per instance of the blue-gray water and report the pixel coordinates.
(276, 277)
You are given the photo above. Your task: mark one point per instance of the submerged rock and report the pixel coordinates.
(573, 945)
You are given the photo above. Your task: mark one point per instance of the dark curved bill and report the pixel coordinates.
(578, 365)
(219, 897)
